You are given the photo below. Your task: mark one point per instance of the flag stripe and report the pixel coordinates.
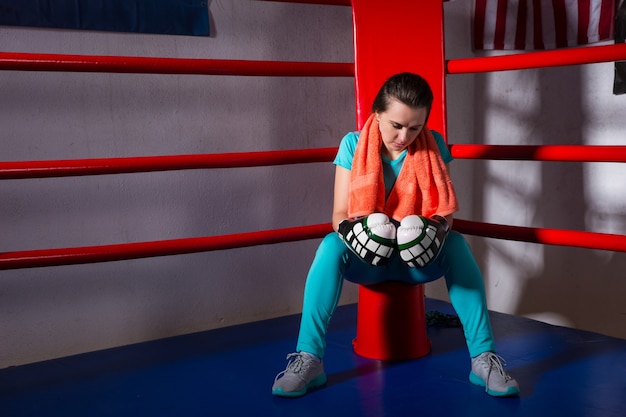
(479, 23)
(537, 26)
(607, 13)
(541, 24)
(500, 32)
(560, 23)
(520, 32)
(584, 15)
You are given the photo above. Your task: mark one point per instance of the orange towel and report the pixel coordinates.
(423, 186)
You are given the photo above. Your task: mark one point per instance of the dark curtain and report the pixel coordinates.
(174, 17)
(619, 85)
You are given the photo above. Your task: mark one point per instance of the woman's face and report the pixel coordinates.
(399, 126)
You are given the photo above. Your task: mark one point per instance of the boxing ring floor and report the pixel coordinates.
(229, 372)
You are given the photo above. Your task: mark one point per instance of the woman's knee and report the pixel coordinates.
(454, 247)
(456, 241)
(331, 249)
(332, 242)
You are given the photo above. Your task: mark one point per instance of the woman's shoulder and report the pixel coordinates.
(438, 136)
(443, 147)
(346, 150)
(351, 138)
(349, 142)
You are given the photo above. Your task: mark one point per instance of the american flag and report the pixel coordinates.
(541, 24)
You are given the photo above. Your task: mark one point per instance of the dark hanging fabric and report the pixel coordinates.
(173, 17)
(619, 84)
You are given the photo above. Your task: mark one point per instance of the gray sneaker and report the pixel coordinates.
(303, 371)
(487, 371)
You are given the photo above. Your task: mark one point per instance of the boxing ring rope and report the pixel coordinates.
(562, 153)
(104, 166)
(558, 237)
(117, 252)
(126, 251)
(18, 61)
(542, 59)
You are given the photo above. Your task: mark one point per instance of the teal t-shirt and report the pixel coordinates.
(391, 168)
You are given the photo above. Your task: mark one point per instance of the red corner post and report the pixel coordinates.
(391, 37)
(397, 36)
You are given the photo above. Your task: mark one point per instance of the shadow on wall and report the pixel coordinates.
(574, 287)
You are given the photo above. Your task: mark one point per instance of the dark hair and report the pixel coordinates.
(408, 88)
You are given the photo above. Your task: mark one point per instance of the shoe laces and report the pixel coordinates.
(296, 364)
(497, 363)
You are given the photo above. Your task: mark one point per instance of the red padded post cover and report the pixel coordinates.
(397, 36)
(391, 323)
(391, 37)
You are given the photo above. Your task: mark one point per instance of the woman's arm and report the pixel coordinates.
(341, 194)
(449, 216)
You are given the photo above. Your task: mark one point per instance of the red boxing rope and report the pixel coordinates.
(16, 61)
(79, 167)
(126, 251)
(579, 153)
(105, 166)
(559, 57)
(581, 239)
(125, 64)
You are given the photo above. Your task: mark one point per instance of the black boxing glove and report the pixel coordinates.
(420, 239)
(372, 238)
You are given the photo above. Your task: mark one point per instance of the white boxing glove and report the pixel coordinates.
(372, 238)
(420, 239)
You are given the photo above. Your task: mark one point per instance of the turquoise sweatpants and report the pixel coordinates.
(334, 262)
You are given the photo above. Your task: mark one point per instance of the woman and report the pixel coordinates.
(392, 212)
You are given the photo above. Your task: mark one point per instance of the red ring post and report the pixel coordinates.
(390, 322)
